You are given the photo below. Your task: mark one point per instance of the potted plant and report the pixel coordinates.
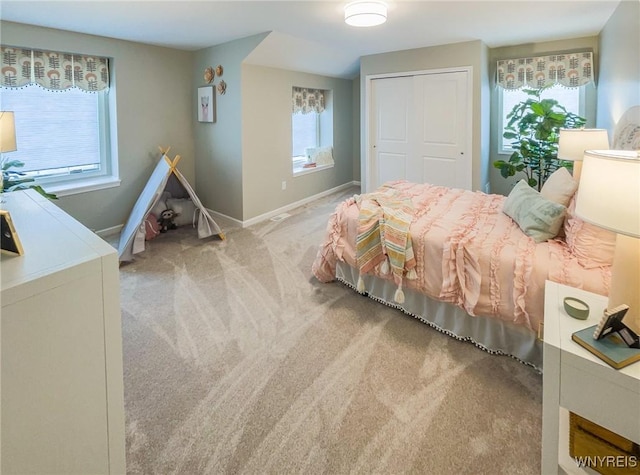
(11, 180)
(533, 128)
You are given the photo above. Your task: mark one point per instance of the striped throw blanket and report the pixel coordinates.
(383, 236)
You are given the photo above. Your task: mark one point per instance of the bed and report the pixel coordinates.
(470, 264)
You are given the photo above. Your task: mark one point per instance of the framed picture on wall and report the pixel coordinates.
(206, 108)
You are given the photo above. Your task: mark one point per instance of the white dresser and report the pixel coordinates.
(61, 382)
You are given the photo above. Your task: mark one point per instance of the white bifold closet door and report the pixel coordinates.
(419, 126)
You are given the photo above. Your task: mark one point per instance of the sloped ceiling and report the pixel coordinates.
(279, 50)
(311, 36)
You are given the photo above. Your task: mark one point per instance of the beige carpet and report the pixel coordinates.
(237, 360)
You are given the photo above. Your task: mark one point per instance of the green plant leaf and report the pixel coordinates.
(12, 164)
(537, 108)
(41, 190)
(13, 180)
(533, 129)
(38, 188)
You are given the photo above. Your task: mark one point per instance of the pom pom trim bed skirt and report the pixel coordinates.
(489, 334)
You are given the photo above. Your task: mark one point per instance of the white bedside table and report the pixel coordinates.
(577, 381)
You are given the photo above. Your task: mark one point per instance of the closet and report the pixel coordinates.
(419, 128)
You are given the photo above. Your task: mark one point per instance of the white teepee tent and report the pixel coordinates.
(164, 177)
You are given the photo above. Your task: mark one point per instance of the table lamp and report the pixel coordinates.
(572, 144)
(7, 139)
(7, 132)
(609, 197)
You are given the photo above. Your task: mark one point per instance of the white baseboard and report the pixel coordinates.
(108, 232)
(290, 206)
(217, 214)
(263, 217)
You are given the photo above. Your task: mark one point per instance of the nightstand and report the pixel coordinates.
(577, 381)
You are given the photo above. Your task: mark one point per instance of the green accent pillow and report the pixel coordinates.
(538, 217)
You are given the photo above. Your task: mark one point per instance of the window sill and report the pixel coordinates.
(82, 186)
(305, 171)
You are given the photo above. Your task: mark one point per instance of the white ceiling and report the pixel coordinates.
(311, 36)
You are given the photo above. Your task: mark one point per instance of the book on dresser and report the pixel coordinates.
(611, 349)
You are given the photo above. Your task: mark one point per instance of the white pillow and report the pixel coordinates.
(161, 204)
(538, 217)
(185, 210)
(322, 156)
(559, 187)
(592, 245)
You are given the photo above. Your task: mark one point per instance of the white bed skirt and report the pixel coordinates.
(490, 334)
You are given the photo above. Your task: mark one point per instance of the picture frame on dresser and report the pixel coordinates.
(10, 241)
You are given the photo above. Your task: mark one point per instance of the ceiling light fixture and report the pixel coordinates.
(365, 13)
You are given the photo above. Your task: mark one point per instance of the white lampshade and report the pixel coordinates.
(572, 143)
(365, 13)
(609, 197)
(7, 132)
(609, 192)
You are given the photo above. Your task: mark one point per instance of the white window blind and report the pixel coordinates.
(305, 132)
(56, 131)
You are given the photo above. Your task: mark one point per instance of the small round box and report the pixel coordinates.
(576, 308)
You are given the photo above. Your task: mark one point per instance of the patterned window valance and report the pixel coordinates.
(569, 70)
(307, 100)
(53, 70)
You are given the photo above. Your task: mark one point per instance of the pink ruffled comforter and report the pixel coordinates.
(468, 253)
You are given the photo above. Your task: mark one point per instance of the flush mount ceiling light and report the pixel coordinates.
(365, 13)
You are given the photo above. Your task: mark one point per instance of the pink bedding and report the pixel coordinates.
(468, 253)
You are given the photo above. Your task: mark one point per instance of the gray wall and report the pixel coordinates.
(499, 184)
(617, 72)
(355, 154)
(155, 91)
(469, 53)
(619, 79)
(266, 138)
(243, 158)
(218, 146)
(153, 99)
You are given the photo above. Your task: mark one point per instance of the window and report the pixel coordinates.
(61, 135)
(567, 73)
(305, 135)
(311, 130)
(61, 107)
(573, 99)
